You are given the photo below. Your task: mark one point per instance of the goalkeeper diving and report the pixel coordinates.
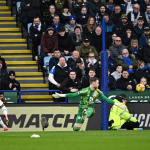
(88, 97)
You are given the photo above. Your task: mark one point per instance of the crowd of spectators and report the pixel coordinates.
(74, 28)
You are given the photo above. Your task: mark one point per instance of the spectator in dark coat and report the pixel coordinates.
(112, 84)
(36, 31)
(49, 42)
(116, 15)
(71, 84)
(142, 71)
(54, 60)
(122, 25)
(4, 66)
(147, 15)
(139, 28)
(125, 83)
(85, 79)
(64, 44)
(49, 16)
(144, 38)
(136, 49)
(90, 27)
(56, 23)
(29, 9)
(144, 5)
(82, 17)
(126, 6)
(110, 5)
(146, 54)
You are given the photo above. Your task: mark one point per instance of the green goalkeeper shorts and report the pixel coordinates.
(80, 112)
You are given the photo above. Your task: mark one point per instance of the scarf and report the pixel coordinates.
(128, 62)
(134, 19)
(56, 27)
(93, 61)
(66, 14)
(129, 7)
(147, 17)
(37, 27)
(134, 50)
(144, 68)
(72, 25)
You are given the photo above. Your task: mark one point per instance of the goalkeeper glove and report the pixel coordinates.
(57, 95)
(6, 119)
(121, 105)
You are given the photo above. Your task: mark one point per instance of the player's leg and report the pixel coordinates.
(90, 112)
(130, 125)
(3, 125)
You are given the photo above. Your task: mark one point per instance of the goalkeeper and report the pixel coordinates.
(88, 97)
(119, 118)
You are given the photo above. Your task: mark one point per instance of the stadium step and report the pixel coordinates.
(33, 85)
(2, 3)
(8, 24)
(23, 68)
(9, 29)
(21, 62)
(27, 74)
(12, 40)
(4, 8)
(13, 46)
(7, 18)
(10, 35)
(17, 57)
(29, 80)
(5, 14)
(36, 97)
(15, 51)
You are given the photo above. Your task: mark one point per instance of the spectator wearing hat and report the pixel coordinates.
(76, 38)
(90, 27)
(127, 37)
(64, 44)
(144, 38)
(116, 15)
(3, 77)
(86, 48)
(64, 17)
(135, 14)
(36, 31)
(126, 6)
(82, 17)
(122, 25)
(56, 23)
(4, 66)
(128, 62)
(117, 48)
(147, 15)
(139, 28)
(49, 42)
(109, 27)
(12, 82)
(71, 25)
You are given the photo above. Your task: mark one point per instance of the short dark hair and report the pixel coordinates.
(141, 18)
(72, 71)
(105, 14)
(62, 57)
(93, 79)
(92, 69)
(56, 50)
(36, 17)
(124, 70)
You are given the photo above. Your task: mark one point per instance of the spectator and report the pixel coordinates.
(56, 23)
(112, 84)
(116, 15)
(91, 62)
(29, 9)
(90, 27)
(139, 28)
(110, 27)
(59, 73)
(64, 44)
(146, 54)
(116, 49)
(125, 82)
(126, 6)
(144, 38)
(147, 15)
(103, 10)
(117, 74)
(12, 82)
(113, 38)
(3, 77)
(94, 6)
(85, 79)
(96, 39)
(71, 84)
(83, 16)
(4, 66)
(49, 42)
(36, 31)
(142, 71)
(86, 48)
(71, 25)
(77, 5)
(64, 17)
(144, 82)
(49, 16)
(110, 5)
(136, 49)
(128, 62)
(122, 25)
(111, 63)
(127, 37)
(76, 38)
(54, 60)
(144, 5)
(135, 14)
(59, 5)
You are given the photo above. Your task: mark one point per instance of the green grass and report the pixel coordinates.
(84, 140)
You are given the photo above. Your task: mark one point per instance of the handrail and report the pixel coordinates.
(8, 90)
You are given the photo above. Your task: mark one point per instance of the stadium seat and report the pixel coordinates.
(67, 57)
(39, 49)
(18, 6)
(46, 63)
(28, 30)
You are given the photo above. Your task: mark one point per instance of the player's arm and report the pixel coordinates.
(4, 110)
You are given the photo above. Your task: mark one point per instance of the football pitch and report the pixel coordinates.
(83, 140)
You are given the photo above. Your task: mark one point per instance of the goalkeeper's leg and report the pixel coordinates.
(3, 125)
(90, 112)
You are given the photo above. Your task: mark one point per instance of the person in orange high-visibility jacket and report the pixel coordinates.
(121, 119)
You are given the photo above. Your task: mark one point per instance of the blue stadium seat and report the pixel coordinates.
(28, 30)
(18, 6)
(39, 49)
(67, 57)
(46, 63)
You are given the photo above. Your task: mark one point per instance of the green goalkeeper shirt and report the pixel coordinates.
(89, 96)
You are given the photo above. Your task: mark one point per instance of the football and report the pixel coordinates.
(140, 88)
